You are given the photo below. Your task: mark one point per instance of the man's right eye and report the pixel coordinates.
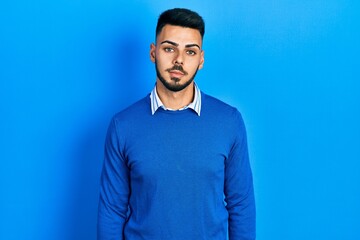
(168, 49)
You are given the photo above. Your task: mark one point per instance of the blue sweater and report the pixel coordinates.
(175, 175)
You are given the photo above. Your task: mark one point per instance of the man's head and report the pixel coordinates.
(181, 17)
(178, 53)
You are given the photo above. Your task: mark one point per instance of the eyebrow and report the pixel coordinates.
(176, 44)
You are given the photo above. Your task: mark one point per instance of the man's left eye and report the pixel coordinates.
(190, 52)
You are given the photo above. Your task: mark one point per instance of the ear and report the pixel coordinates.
(152, 52)
(201, 60)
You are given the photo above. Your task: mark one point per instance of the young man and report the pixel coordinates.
(176, 162)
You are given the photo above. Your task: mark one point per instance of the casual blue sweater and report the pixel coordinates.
(175, 175)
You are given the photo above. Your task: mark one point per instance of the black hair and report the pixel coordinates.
(181, 17)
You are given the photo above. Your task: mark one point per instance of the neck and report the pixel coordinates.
(175, 100)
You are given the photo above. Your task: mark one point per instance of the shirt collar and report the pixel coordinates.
(194, 105)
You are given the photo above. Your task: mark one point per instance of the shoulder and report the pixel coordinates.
(215, 107)
(138, 109)
(225, 119)
(132, 115)
(125, 121)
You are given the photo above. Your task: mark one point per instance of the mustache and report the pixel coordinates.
(177, 68)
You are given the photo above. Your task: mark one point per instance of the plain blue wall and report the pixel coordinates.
(290, 67)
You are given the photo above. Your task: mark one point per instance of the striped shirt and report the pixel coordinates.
(194, 105)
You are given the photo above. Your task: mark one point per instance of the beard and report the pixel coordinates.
(174, 85)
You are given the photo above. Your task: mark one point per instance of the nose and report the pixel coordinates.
(179, 59)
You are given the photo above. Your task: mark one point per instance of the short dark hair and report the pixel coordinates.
(181, 17)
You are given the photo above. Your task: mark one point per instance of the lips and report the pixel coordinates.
(176, 74)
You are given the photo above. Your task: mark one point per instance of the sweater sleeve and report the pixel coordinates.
(114, 189)
(238, 187)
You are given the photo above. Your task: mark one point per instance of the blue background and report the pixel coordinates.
(290, 67)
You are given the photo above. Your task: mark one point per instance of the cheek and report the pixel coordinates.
(194, 64)
(163, 60)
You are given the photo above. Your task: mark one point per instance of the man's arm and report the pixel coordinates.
(114, 189)
(238, 188)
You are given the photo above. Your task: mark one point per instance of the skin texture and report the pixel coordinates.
(177, 55)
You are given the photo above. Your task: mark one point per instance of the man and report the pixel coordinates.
(176, 162)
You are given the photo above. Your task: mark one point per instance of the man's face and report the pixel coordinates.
(177, 56)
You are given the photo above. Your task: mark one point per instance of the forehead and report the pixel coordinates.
(180, 35)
